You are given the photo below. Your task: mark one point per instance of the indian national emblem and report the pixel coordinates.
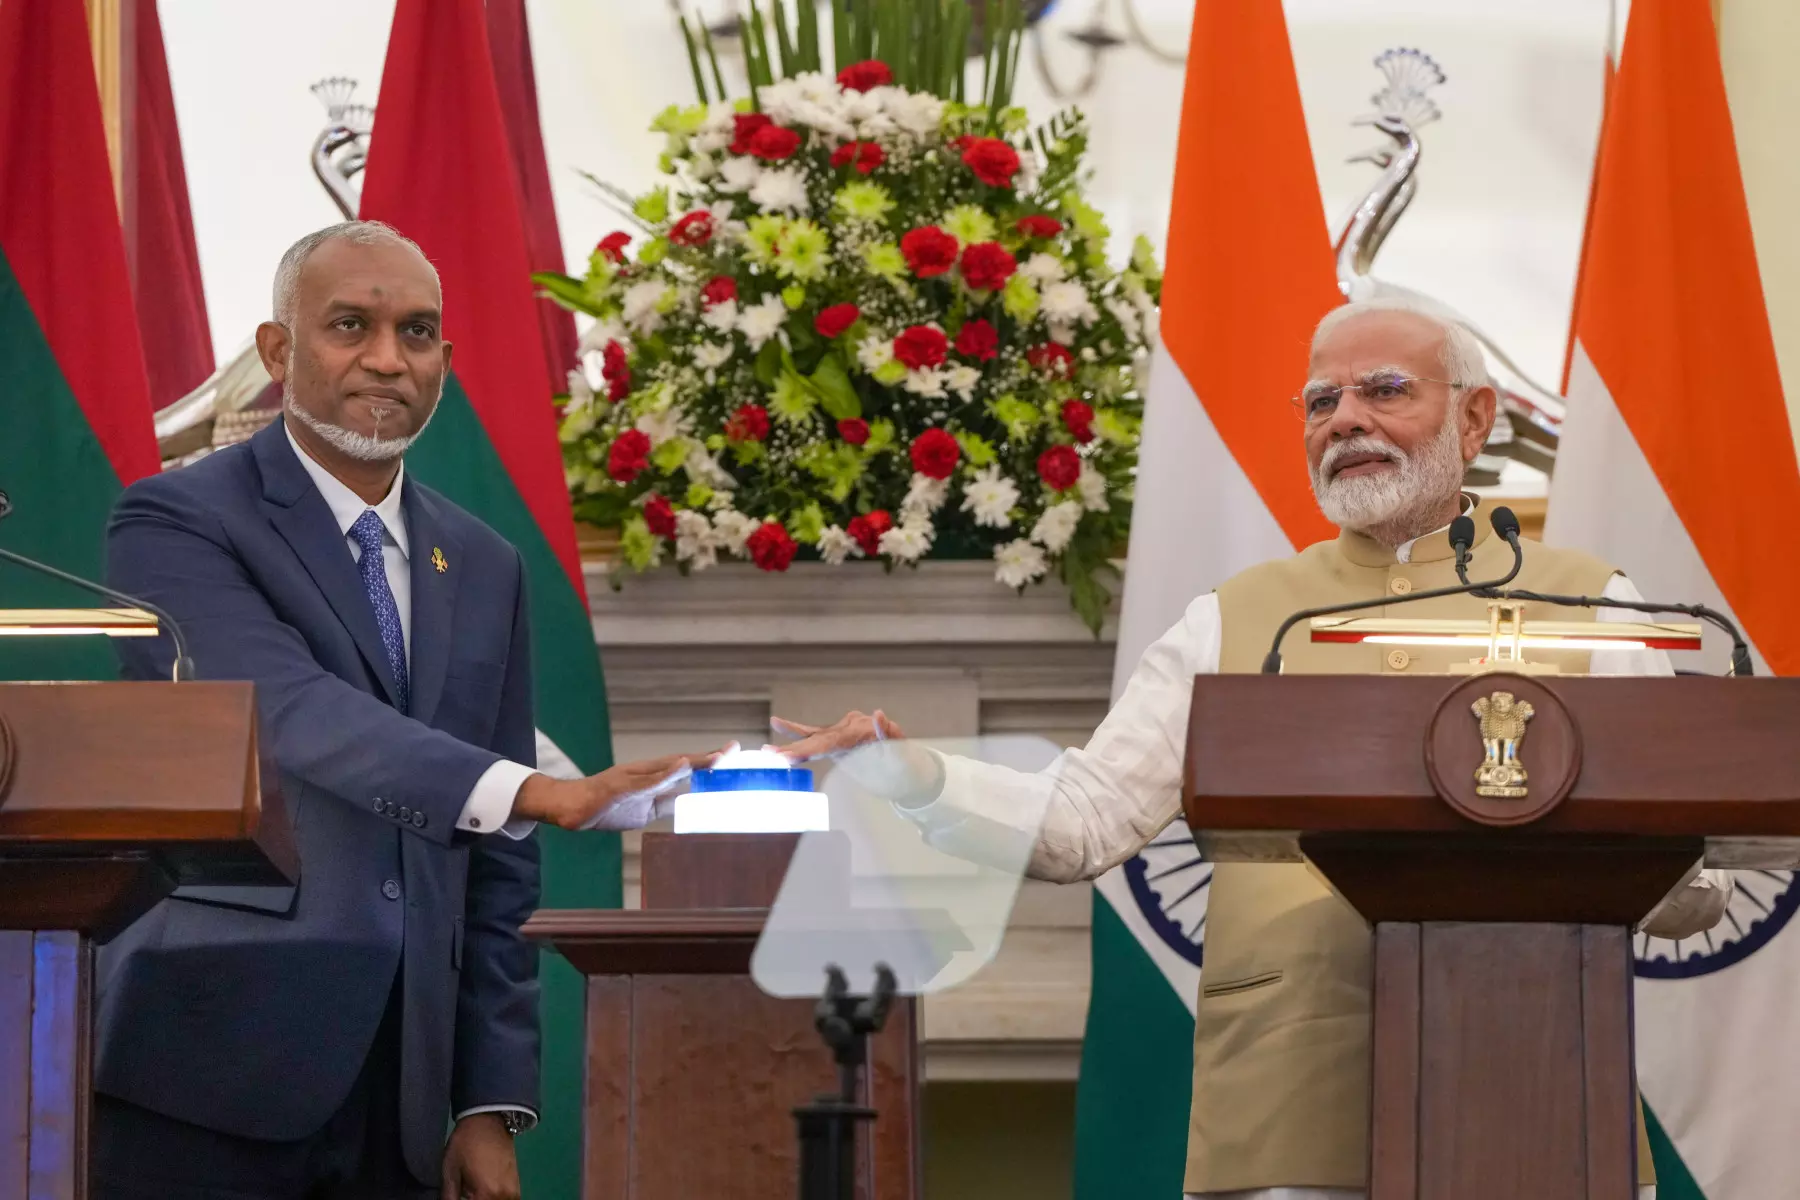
(1503, 720)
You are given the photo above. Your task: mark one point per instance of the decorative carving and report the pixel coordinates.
(1503, 720)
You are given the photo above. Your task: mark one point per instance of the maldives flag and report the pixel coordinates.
(75, 423)
(442, 172)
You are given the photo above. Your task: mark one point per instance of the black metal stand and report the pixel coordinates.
(828, 1125)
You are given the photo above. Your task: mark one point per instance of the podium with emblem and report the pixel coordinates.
(111, 796)
(1503, 834)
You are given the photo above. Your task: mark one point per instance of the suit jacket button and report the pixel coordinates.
(379, 805)
(390, 809)
(391, 889)
(405, 813)
(418, 820)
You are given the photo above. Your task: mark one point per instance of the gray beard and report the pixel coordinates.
(359, 446)
(1395, 507)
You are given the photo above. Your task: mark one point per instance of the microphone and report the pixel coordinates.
(1505, 524)
(1462, 536)
(184, 666)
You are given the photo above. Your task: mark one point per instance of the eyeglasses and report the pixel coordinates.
(1383, 391)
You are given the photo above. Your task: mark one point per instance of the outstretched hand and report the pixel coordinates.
(626, 796)
(830, 741)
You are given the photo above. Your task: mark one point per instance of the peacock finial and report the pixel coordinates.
(1411, 74)
(334, 93)
(357, 118)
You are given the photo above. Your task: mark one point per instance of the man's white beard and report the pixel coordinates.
(347, 441)
(1392, 502)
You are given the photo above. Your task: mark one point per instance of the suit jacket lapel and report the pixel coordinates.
(434, 592)
(303, 518)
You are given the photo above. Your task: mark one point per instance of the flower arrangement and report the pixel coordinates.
(864, 320)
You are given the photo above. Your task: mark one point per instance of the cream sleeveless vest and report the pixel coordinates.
(1281, 1042)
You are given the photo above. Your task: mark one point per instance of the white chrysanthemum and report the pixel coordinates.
(722, 316)
(1152, 320)
(874, 352)
(1019, 562)
(762, 320)
(918, 113)
(721, 117)
(710, 141)
(695, 542)
(662, 424)
(907, 542)
(1062, 333)
(860, 106)
(1092, 486)
(927, 382)
(1043, 269)
(781, 190)
(924, 496)
(710, 356)
(598, 334)
(581, 392)
(641, 300)
(835, 546)
(702, 167)
(962, 379)
(990, 496)
(1068, 302)
(733, 529)
(1054, 529)
(739, 173)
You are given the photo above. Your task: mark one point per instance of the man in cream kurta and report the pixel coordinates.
(1397, 404)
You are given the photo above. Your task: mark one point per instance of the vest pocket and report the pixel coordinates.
(1233, 987)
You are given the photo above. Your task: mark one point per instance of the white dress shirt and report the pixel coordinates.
(490, 803)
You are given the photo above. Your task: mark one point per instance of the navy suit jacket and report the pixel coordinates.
(250, 1010)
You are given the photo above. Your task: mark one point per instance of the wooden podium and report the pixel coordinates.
(692, 1072)
(111, 796)
(1503, 1062)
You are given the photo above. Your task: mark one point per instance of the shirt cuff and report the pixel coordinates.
(531, 1117)
(490, 803)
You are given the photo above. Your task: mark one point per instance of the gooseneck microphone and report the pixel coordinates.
(183, 670)
(1503, 520)
(1462, 536)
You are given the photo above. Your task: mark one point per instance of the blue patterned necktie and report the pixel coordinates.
(368, 532)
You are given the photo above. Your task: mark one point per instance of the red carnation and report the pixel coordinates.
(746, 126)
(865, 155)
(629, 455)
(616, 371)
(854, 430)
(986, 266)
(934, 454)
(1038, 226)
(929, 251)
(867, 529)
(1052, 358)
(695, 229)
(993, 161)
(719, 289)
(834, 320)
(613, 245)
(772, 143)
(977, 340)
(770, 547)
(1080, 420)
(659, 516)
(860, 77)
(750, 423)
(1059, 467)
(921, 346)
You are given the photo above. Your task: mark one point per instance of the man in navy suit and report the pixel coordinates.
(294, 1043)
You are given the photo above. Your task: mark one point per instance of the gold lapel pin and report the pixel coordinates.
(437, 560)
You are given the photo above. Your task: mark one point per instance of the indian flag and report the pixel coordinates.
(1221, 486)
(441, 170)
(1677, 462)
(75, 418)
